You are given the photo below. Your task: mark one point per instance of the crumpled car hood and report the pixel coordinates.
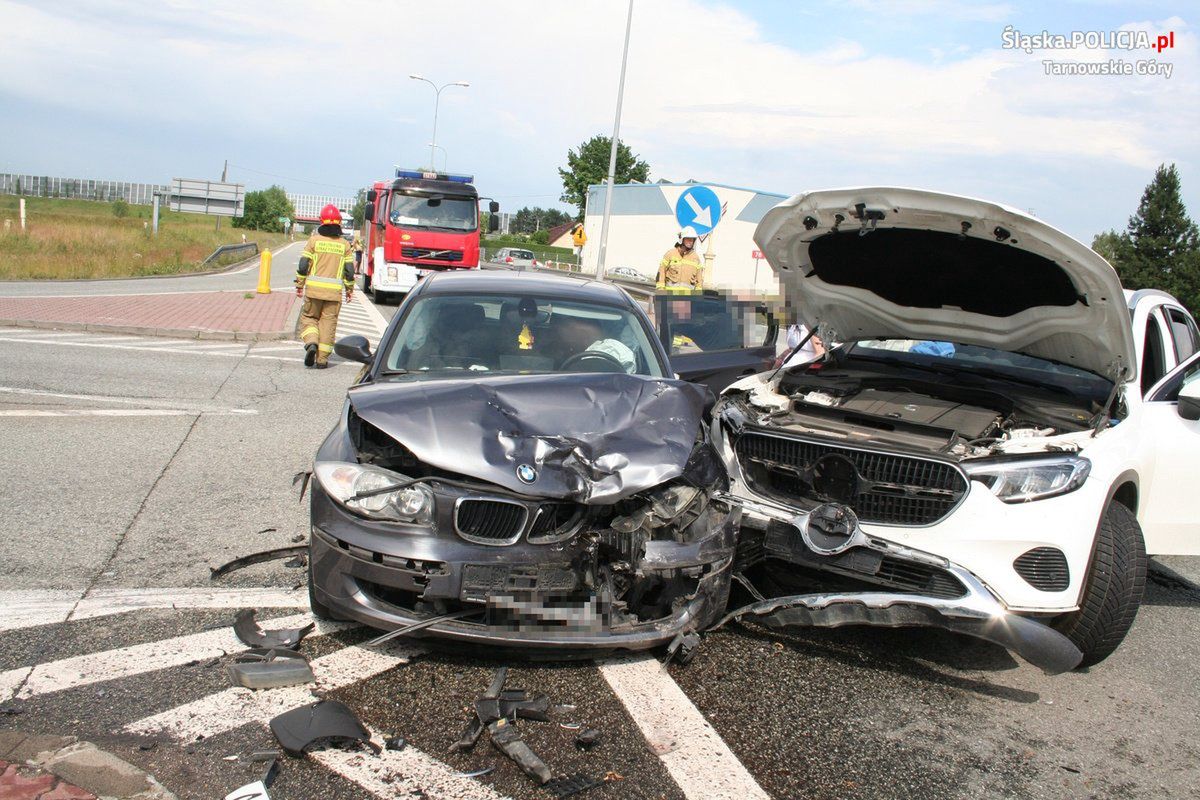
(914, 264)
(593, 438)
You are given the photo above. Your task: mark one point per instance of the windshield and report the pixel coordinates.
(423, 211)
(444, 335)
(526, 254)
(970, 358)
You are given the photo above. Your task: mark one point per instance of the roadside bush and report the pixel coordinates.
(120, 208)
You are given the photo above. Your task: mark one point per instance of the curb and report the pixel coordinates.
(172, 333)
(83, 765)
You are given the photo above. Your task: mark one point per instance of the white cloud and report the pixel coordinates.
(707, 98)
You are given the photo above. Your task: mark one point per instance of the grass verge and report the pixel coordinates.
(66, 239)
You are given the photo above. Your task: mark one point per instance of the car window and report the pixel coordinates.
(1169, 391)
(703, 324)
(1183, 334)
(1154, 363)
(445, 335)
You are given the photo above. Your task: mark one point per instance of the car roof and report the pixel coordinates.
(503, 281)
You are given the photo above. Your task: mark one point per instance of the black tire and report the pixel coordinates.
(1113, 592)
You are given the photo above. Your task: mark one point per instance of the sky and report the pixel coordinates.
(771, 95)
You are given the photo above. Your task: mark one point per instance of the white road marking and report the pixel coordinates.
(108, 398)
(123, 662)
(187, 351)
(232, 708)
(120, 412)
(404, 773)
(694, 754)
(30, 608)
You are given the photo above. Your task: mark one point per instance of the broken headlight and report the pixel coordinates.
(1026, 479)
(376, 493)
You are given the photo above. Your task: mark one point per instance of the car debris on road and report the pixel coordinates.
(249, 633)
(241, 562)
(269, 668)
(325, 721)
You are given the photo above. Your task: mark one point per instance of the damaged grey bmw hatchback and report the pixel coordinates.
(517, 465)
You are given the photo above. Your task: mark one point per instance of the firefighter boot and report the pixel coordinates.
(310, 354)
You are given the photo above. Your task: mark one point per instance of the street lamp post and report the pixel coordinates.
(436, 101)
(445, 156)
(612, 155)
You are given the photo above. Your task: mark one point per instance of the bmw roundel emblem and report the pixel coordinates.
(526, 473)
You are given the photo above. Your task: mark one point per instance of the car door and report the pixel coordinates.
(1168, 511)
(714, 339)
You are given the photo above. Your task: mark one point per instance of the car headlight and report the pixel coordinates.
(362, 489)
(1026, 479)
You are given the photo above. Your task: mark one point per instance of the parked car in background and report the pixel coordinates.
(989, 447)
(515, 257)
(629, 274)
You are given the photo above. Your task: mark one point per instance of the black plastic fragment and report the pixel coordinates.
(269, 668)
(270, 773)
(256, 558)
(507, 739)
(565, 787)
(683, 648)
(587, 738)
(322, 721)
(395, 743)
(296, 562)
(251, 634)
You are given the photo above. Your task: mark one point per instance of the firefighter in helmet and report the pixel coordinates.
(680, 269)
(325, 272)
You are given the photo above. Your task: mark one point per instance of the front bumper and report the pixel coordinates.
(388, 580)
(973, 610)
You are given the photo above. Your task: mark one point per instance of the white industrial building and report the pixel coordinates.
(644, 224)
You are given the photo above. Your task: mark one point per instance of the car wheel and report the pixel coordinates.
(1115, 583)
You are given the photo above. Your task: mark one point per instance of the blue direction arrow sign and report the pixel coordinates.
(699, 207)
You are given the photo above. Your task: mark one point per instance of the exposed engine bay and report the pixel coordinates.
(956, 416)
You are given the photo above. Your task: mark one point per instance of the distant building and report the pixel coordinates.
(644, 225)
(560, 235)
(308, 206)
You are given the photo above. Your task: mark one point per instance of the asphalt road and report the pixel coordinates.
(130, 468)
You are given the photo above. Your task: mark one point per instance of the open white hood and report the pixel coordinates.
(884, 262)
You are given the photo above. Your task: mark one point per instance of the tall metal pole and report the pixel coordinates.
(612, 154)
(437, 99)
(224, 175)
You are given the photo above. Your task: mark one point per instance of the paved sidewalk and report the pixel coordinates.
(30, 783)
(39, 767)
(237, 315)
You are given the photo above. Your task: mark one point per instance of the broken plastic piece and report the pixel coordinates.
(682, 648)
(565, 787)
(251, 634)
(395, 743)
(587, 738)
(251, 791)
(324, 720)
(507, 739)
(477, 773)
(256, 558)
(416, 626)
(269, 668)
(296, 562)
(271, 773)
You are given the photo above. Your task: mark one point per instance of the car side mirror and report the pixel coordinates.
(494, 207)
(493, 222)
(354, 348)
(1189, 401)
(369, 212)
(371, 195)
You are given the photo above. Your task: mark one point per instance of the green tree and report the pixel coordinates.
(1160, 249)
(588, 165)
(263, 209)
(360, 208)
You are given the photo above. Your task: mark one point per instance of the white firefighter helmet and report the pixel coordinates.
(688, 233)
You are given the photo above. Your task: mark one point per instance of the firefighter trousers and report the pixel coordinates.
(318, 324)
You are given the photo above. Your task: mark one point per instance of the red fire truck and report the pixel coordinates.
(418, 222)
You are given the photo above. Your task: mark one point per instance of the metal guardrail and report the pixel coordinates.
(230, 248)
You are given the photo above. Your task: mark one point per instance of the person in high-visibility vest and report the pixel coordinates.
(680, 269)
(325, 271)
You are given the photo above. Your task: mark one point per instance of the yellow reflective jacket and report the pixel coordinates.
(680, 271)
(326, 268)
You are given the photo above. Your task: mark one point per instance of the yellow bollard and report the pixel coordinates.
(264, 273)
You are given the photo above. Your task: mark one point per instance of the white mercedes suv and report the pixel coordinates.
(996, 441)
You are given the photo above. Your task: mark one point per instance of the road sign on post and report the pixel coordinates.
(208, 197)
(698, 207)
